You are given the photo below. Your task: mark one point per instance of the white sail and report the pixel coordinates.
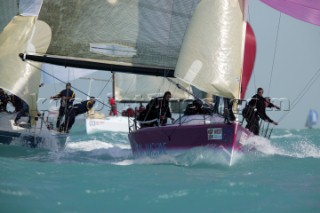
(18, 77)
(211, 56)
(144, 88)
(312, 118)
(29, 7)
(23, 33)
(57, 74)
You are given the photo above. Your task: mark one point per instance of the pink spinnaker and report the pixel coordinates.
(304, 10)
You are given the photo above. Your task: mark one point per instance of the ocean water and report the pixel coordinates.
(97, 173)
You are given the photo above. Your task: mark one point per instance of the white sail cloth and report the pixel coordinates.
(211, 57)
(143, 88)
(18, 77)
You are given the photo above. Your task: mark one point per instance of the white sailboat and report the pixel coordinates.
(97, 122)
(312, 119)
(22, 79)
(133, 89)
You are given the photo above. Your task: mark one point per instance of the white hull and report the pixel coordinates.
(32, 136)
(108, 124)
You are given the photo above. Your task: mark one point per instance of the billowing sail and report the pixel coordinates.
(304, 10)
(21, 34)
(18, 77)
(312, 118)
(211, 56)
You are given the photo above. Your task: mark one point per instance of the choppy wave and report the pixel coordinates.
(114, 148)
(290, 144)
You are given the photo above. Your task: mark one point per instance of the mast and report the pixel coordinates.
(113, 87)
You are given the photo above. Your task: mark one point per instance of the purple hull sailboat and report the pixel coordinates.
(161, 140)
(232, 43)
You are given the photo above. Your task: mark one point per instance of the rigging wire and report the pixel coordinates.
(105, 86)
(303, 92)
(274, 53)
(61, 81)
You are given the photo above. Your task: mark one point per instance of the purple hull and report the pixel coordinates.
(158, 140)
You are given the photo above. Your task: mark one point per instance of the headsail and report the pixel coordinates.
(20, 78)
(304, 10)
(211, 57)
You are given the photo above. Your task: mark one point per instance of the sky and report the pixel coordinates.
(288, 53)
(286, 63)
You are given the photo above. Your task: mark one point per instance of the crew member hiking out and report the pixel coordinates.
(78, 109)
(21, 107)
(4, 98)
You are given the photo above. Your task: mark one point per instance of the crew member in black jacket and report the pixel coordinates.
(157, 108)
(78, 109)
(256, 109)
(66, 100)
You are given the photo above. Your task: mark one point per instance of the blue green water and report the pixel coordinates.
(98, 173)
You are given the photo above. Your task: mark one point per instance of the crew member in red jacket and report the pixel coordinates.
(113, 107)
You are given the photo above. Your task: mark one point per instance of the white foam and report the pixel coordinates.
(297, 149)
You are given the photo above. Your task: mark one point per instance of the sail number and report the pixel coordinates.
(214, 133)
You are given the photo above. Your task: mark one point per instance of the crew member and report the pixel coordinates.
(21, 107)
(113, 107)
(78, 109)
(255, 110)
(66, 97)
(4, 98)
(157, 108)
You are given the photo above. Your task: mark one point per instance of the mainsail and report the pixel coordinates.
(130, 36)
(151, 38)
